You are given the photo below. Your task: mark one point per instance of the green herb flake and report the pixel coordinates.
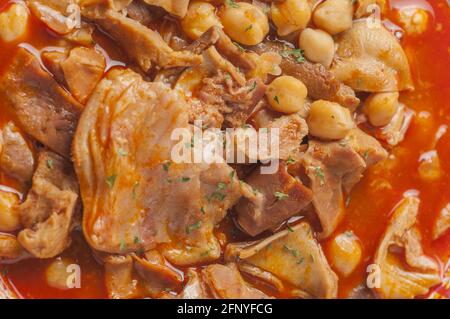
(319, 173)
(50, 164)
(280, 196)
(221, 185)
(253, 87)
(297, 54)
(185, 179)
(276, 99)
(193, 227)
(123, 245)
(240, 47)
(202, 209)
(232, 3)
(111, 180)
(122, 152)
(290, 250)
(137, 240)
(289, 228)
(166, 166)
(290, 161)
(249, 28)
(232, 173)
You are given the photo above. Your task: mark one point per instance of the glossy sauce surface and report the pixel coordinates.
(371, 201)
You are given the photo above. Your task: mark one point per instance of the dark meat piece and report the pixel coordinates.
(42, 108)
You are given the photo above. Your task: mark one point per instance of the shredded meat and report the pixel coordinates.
(42, 108)
(16, 156)
(320, 82)
(49, 210)
(262, 209)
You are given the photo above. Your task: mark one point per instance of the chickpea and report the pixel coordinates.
(286, 94)
(9, 218)
(199, 18)
(244, 23)
(13, 22)
(57, 275)
(290, 16)
(334, 16)
(345, 253)
(329, 120)
(381, 107)
(317, 45)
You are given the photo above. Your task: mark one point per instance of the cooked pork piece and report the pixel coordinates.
(420, 273)
(225, 281)
(320, 82)
(48, 211)
(442, 223)
(271, 199)
(292, 255)
(327, 165)
(131, 188)
(16, 156)
(55, 14)
(143, 45)
(80, 70)
(369, 58)
(43, 109)
(176, 7)
(121, 282)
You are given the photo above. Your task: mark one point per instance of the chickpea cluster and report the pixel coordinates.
(314, 27)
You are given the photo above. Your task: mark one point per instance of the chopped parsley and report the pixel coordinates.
(290, 161)
(50, 164)
(122, 152)
(319, 173)
(232, 3)
(281, 196)
(277, 99)
(240, 47)
(166, 166)
(232, 173)
(253, 87)
(137, 240)
(297, 54)
(111, 180)
(290, 250)
(249, 28)
(123, 245)
(193, 227)
(289, 228)
(202, 209)
(221, 186)
(185, 179)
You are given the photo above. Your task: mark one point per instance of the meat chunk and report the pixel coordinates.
(48, 211)
(366, 146)
(55, 14)
(79, 70)
(176, 7)
(292, 255)
(16, 156)
(83, 69)
(397, 279)
(369, 58)
(442, 223)
(142, 44)
(272, 199)
(395, 131)
(328, 165)
(234, 101)
(43, 109)
(130, 186)
(292, 129)
(225, 282)
(120, 280)
(321, 83)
